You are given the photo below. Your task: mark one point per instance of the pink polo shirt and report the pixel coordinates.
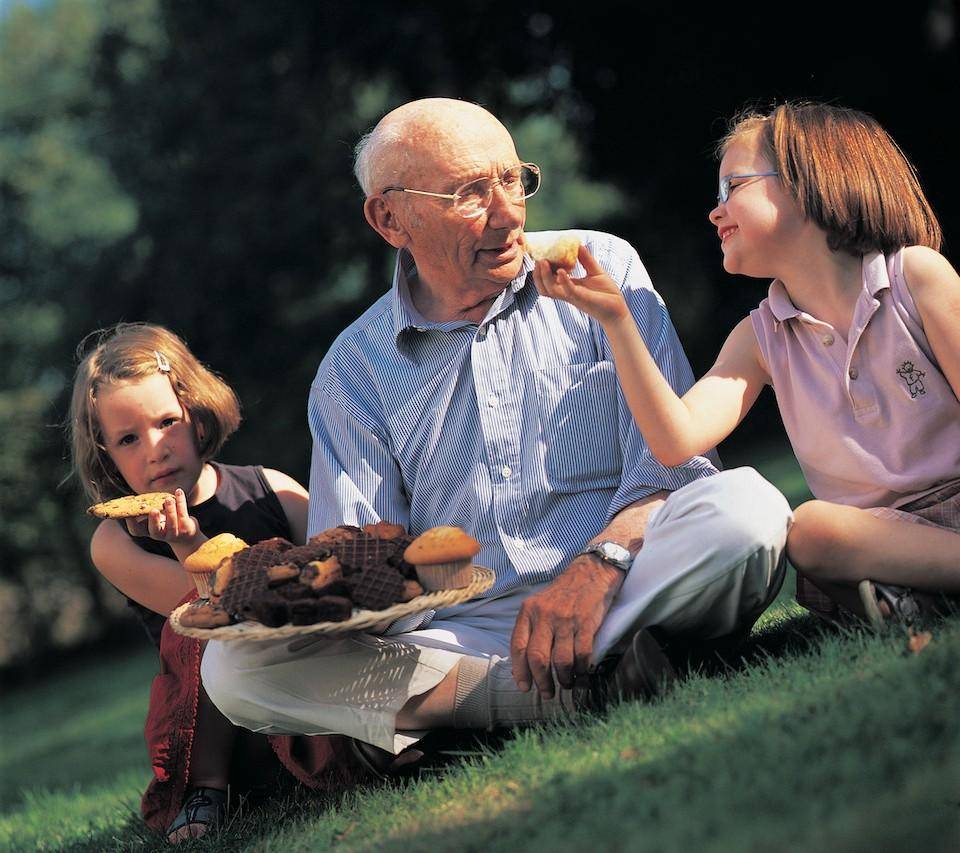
(872, 419)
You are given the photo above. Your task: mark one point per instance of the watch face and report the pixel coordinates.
(613, 551)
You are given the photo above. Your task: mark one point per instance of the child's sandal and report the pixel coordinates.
(204, 810)
(899, 601)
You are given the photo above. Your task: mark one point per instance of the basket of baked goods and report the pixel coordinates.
(346, 579)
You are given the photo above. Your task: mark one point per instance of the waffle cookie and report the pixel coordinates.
(376, 587)
(248, 579)
(363, 550)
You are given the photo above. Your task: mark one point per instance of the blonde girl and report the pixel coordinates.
(859, 337)
(147, 416)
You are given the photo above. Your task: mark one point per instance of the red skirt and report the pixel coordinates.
(319, 762)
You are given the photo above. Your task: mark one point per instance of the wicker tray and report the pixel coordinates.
(368, 621)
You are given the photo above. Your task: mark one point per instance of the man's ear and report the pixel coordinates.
(384, 221)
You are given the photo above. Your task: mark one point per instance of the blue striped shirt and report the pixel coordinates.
(513, 429)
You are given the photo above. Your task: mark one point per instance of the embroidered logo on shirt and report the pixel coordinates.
(913, 377)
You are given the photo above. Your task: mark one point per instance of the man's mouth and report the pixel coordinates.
(727, 231)
(501, 252)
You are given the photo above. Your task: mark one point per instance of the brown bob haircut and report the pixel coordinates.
(846, 173)
(128, 352)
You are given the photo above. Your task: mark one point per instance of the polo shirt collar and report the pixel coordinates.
(874, 276)
(407, 317)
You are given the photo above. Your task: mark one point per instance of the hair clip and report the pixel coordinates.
(162, 364)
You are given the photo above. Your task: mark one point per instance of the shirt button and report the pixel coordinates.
(482, 332)
(492, 400)
(506, 471)
(854, 373)
(519, 544)
(827, 340)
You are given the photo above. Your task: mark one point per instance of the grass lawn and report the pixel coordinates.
(818, 740)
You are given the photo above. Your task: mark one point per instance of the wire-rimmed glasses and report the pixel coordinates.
(473, 198)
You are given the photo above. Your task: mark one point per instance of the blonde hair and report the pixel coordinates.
(846, 174)
(132, 351)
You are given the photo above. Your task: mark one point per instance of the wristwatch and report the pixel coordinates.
(612, 553)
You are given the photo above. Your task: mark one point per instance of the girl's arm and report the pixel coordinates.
(158, 583)
(674, 428)
(294, 500)
(935, 287)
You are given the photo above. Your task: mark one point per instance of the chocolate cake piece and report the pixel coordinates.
(268, 608)
(328, 608)
(294, 590)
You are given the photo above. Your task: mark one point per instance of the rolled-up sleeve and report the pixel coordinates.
(642, 474)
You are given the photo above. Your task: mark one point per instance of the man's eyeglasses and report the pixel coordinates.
(725, 187)
(473, 198)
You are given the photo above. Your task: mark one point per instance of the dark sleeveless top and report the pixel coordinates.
(244, 505)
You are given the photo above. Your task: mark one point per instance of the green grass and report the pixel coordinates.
(818, 740)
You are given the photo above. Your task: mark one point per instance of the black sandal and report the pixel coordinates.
(205, 807)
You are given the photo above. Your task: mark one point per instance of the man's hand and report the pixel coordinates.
(556, 626)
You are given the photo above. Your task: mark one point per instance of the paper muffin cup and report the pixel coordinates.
(446, 575)
(203, 582)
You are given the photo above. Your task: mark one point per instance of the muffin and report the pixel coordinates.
(560, 249)
(202, 564)
(443, 557)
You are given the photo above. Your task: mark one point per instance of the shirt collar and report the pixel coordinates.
(874, 276)
(407, 317)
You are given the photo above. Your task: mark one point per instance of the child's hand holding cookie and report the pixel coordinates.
(595, 293)
(172, 524)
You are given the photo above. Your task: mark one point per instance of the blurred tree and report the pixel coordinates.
(190, 164)
(60, 207)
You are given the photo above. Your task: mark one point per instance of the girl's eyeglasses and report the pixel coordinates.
(725, 187)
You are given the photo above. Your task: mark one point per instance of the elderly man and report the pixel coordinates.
(462, 397)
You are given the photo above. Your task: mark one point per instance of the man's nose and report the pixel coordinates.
(503, 211)
(715, 214)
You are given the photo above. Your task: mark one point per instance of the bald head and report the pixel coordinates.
(412, 140)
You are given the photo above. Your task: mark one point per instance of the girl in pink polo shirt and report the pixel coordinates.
(859, 337)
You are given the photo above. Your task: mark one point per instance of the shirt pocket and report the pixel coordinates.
(579, 426)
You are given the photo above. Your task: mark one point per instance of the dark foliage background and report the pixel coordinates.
(190, 164)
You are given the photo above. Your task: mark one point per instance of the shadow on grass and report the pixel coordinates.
(820, 755)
